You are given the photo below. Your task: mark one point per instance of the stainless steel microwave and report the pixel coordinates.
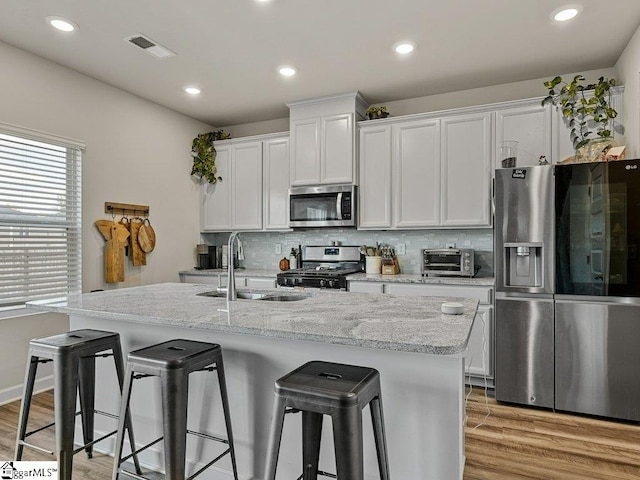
(323, 206)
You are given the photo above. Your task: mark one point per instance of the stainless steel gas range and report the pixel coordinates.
(324, 267)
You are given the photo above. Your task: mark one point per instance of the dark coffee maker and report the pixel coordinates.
(207, 257)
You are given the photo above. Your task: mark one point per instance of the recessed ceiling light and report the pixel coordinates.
(287, 70)
(62, 24)
(404, 47)
(565, 13)
(192, 90)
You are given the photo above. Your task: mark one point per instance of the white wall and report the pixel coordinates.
(628, 72)
(467, 98)
(137, 152)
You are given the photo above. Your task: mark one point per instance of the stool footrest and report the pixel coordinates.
(291, 410)
(228, 450)
(79, 449)
(124, 459)
(35, 447)
(210, 437)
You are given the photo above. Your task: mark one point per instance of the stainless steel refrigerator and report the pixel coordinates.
(524, 270)
(568, 287)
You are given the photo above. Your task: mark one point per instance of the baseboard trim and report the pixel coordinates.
(14, 393)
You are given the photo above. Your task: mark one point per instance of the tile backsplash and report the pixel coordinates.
(260, 247)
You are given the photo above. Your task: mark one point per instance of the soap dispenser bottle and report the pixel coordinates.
(293, 259)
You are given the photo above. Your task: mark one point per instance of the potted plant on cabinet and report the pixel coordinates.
(585, 110)
(377, 112)
(204, 155)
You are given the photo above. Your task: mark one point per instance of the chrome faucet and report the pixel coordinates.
(231, 279)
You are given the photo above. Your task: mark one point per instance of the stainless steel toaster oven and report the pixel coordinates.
(457, 262)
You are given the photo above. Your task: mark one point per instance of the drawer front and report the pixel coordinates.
(484, 294)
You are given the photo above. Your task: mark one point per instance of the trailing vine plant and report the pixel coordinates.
(204, 155)
(582, 112)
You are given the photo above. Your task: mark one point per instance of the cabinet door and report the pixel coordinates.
(276, 184)
(466, 171)
(416, 172)
(336, 149)
(215, 206)
(530, 126)
(305, 152)
(479, 354)
(366, 287)
(375, 177)
(246, 190)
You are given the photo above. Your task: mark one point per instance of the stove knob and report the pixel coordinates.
(289, 281)
(298, 281)
(323, 283)
(332, 283)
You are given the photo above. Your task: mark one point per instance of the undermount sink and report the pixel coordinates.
(271, 297)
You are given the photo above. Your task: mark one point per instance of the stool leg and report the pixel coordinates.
(175, 389)
(275, 436)
(29, 381)
(126, 412)
(380, 437)
(123, 422)
(311, 434)
(64, 399)
(87, 390)
(347, 438)
(227, 415)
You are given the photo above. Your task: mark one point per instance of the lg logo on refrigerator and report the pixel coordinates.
(631, 167)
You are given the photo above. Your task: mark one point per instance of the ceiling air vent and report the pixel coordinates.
(149, 46)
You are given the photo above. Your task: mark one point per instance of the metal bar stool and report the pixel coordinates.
(73, 355)
(342, 391)
(173, 361)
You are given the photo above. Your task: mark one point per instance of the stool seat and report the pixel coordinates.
(173, 361)
(341, 391)
(73, 355)
(330, 384)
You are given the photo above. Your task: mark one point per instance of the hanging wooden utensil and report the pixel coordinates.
(105, 228)
(146, 236)
(114, 256)
(138, 256)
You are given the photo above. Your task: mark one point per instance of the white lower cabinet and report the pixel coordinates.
(479, 353)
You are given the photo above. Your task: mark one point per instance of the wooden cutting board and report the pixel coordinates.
(146, 237)
(114, 256)
(138, 256)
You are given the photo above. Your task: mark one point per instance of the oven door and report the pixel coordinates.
(322, 206)
(443, 261)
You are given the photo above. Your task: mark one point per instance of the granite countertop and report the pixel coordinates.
(239, 272)
(415, 278)
(367, 277)
(388, 322)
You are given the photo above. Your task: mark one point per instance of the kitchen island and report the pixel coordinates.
(417, 349)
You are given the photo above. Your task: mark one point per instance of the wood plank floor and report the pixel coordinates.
(512, 443)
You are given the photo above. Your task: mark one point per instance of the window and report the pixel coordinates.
(40, 217)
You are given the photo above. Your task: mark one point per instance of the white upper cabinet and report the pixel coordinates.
(323, 139)
(246, 189)
(528, 123)
(276, 183)
(215, 200)
(466, 170)
(253, 194)
(375, 177)
(305, 148)
(416, 174)
(426, 173)
(336, 149)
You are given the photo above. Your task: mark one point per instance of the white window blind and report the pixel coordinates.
(40, 218)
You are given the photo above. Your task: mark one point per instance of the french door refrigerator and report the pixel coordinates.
(568, 287)
(524, 253)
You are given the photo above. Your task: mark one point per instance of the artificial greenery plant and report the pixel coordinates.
(204, 155)
(584, 108)
(377, 112)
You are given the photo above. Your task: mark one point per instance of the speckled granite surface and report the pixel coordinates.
(401, 278)
(413, 278)
(239, 272)
(410, 324)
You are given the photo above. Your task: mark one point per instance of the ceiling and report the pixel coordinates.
(231, 48)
